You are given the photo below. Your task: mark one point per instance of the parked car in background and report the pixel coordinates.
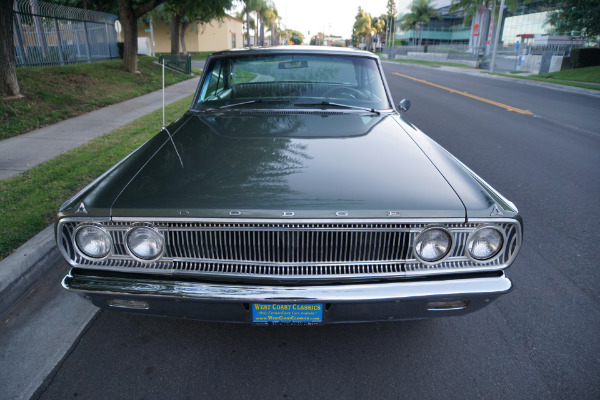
(292, 191)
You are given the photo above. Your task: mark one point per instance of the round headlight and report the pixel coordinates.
(145, 243)
(485, 243)
(93, 242)
(433, 244)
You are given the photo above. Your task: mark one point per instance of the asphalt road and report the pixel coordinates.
(540, 341)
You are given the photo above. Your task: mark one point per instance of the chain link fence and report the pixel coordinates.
(50, 34)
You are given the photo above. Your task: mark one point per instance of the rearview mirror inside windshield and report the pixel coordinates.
(293, 64)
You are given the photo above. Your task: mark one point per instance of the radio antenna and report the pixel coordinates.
(163, 112)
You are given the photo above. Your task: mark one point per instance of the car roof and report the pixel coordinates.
(324, 50)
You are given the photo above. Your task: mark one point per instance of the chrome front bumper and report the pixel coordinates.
(343, 303)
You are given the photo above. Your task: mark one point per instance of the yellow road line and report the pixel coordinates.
(495, 103)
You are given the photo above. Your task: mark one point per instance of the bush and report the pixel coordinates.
(582, 57)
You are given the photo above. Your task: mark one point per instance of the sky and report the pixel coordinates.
(335, 17)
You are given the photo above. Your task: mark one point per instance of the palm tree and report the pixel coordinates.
(410, 23)
(422, 12)
(378, 25)
(261, 14)
(472, 7)
(272, 16)
(391, 16)
(249, 6)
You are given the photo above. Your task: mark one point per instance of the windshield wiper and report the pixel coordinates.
(327, 103)
(257, 101)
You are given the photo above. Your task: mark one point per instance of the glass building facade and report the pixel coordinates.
(529, 19)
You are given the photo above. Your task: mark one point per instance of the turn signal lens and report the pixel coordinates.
(93, 242)
(145, 243)
(433, 244)
(485, 243)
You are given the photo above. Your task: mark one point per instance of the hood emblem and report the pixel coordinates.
(288, 213)
(81, 209)
(496, 211)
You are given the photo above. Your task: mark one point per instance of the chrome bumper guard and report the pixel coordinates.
(343, 303)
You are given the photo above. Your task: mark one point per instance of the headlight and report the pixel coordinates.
(144, 243)
(485, 243)
(433, 244)
(92, 242)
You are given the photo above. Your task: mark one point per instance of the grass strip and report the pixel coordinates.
(29, 201)
(197, 56)
(552, 80)
(428, 63)
(52, 94)
(587, 74)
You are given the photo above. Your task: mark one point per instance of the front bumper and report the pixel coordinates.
(364, 302)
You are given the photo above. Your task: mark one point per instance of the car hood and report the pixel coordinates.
(271, 165)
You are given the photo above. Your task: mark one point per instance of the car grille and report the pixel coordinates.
(286, 251)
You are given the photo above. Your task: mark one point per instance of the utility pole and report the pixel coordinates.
(152, 36)
(497, 37)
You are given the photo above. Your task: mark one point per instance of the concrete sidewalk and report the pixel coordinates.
(20, 153)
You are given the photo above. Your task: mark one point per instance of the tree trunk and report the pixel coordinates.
(184, 26)
(129, 24)
(262, 32)
(247, 28)
(256, 31)
(9, 86)
(174, 34)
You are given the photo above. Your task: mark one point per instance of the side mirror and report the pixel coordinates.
(404, 105)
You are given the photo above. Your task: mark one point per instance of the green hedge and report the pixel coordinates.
(582, 57)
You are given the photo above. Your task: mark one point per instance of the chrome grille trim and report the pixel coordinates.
(291, 250)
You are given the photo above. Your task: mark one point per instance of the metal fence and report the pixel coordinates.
(178, 62)
(51, 34)
(450, 51)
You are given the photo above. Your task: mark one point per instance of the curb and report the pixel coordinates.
(21, 270)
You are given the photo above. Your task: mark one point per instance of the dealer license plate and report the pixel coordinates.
(281, 313)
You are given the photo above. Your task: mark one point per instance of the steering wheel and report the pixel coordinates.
(345, 92)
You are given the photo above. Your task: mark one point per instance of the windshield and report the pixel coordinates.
(288, 81)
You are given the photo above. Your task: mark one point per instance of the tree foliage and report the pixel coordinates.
(361, 30)
(391, 8)
(577, 15)
(294, 36)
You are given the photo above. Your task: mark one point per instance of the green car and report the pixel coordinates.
(291, 192)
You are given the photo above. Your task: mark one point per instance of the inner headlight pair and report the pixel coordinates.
(143, 243)
(435, 243)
